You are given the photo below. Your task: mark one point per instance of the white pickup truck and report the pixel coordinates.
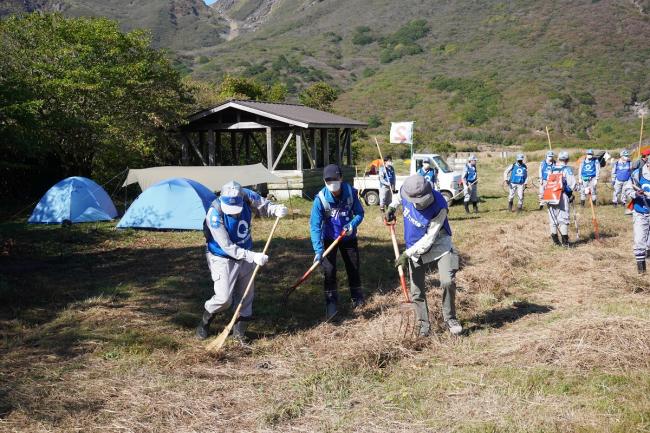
(448, 180)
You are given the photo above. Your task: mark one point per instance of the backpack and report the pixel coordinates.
(554, 188)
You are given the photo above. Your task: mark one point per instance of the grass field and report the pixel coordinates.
(98, 333)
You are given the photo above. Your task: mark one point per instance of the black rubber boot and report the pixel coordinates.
(510, 206)
(475, 206)
(556, 239)
(640, 266)
(565, 241)
(466, 204)
(519, 209)
(357, 297)
(204, 327)
(330, 310)
(582, 203)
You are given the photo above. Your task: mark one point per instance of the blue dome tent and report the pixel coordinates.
(77, 199)
(176, 203)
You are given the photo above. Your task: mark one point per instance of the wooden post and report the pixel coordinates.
(233, 144)
(247, 147)
(203, 145)
(217, 144)
(325, 145)
(314, 149)
(269, 148)
(211, 152)
(185, 154)
(337, 146)
(298, 149)
(348, 145)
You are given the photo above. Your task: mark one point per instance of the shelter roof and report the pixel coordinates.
(290, 114)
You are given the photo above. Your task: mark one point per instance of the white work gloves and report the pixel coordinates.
(281, 211)
(259, 259)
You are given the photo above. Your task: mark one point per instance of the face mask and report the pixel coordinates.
(426, 166)
(333, 186)
(389, 164)
(549, 159)
(589, 156)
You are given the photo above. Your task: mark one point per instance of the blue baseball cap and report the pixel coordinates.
(231, 199)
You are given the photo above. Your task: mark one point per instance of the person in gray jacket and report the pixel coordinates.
(428, 240)
(230, 255)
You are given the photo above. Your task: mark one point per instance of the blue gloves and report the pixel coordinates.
(318, 257)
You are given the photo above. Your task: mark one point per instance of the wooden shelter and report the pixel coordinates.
(291, 140)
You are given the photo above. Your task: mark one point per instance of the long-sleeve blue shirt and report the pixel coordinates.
(324, 227)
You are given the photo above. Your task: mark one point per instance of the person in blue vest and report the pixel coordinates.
(469, 180)
(230, 255)
(545, 168)
(337, 209)
(428, 172)
(589, 173)
(387, 181)
(516, 176)
(559, 215)
(427, 235)
(620, 174)
(638, 189)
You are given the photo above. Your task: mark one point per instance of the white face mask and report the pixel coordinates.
(549, 159)
(333, 185)
(389, 164)
(589, 156)
(426, 165)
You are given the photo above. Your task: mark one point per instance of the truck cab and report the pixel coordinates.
(448, 180)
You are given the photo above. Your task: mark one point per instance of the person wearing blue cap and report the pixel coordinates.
(428, 172)
(545, 167)
(621, 173)
(516, 176)
(337, 210)
(589, 172)
(230, 255)
(387, 181)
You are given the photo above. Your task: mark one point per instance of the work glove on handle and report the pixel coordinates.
(281, 211)
(318, 257)
(260, 259)
(348, 229)
(390, 214)
(402, 260)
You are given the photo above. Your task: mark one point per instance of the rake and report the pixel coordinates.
(218, 342)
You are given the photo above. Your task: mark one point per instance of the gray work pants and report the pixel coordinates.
(385, 196)
(518, 189)
(559, 216)
(618, 190)
(470, 193)
(641, 231)
(591, 184)
(447, 267)
(230, 280)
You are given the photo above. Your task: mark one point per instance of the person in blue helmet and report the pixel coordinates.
(337, 209)
(545, 168)
(589, 173)
(229, 252)
(387, 179)
(621, 173)
(469, 180)
(428, 172)
(516, 176)
(638, 189)
(428, 241)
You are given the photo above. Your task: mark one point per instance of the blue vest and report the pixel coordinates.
(519, 174)
(565, 170)
(389, 175)
(339, 214)
(623, 171)
(642, 204)
(237, 226)
(430, 175)
(471, 173)
(416, 222)
(589, 168)
(546, 169)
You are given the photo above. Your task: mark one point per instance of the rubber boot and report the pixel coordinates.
(510, 206)
(475, 206)
(357, 297)
(582, 203)
(382, 209)
(640, 266)
(466, 204)
(556, 239)
(204, 327)
(565, 241)
(330, 310)
(519, 208)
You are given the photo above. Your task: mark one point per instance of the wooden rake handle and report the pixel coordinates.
(219, 341)
(593, 218)
(400, 270)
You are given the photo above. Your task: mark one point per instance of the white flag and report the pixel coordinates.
(401, 132)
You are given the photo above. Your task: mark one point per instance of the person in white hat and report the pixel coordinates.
(589, 173)
(621, 173)
(638, 189)
(230, 255)
(516, 176)
(545, 167)
(469, 180)
(559, 214)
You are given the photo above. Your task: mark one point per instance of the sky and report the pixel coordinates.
(209, 2)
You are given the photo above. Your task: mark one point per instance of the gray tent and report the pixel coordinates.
(212, 177)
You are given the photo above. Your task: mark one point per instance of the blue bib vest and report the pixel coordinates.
(338, 215)
(623, 171)
(416, 222)
(546, 169)
(389, 175)
(642, 204)
(471, 173)
(589, 168)
(237, 226)
(518, 174)
(430, 175)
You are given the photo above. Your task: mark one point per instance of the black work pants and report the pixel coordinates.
(350, 252)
